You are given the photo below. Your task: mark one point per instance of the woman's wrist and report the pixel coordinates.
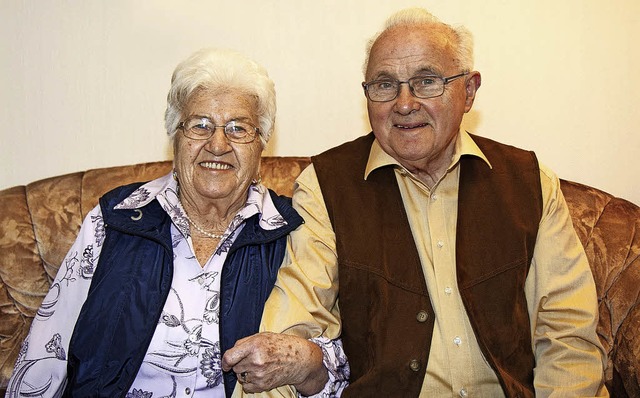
(317, 375)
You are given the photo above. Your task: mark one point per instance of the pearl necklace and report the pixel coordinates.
(209, 234)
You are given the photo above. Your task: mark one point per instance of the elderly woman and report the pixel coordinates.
(165, 276)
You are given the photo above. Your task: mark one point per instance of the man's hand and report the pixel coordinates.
(268, 360)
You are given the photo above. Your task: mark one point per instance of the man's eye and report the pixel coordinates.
(385, 85)
(425, 81)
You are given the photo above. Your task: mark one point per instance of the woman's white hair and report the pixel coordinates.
(221, 70)
(460, 36)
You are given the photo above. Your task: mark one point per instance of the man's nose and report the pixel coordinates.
(406, 102)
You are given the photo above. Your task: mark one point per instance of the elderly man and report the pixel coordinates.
(447, 261)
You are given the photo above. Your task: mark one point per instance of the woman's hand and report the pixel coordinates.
(268, 360)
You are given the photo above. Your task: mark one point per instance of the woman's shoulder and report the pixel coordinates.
(283, 205)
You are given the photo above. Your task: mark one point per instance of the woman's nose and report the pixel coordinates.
(218, 142)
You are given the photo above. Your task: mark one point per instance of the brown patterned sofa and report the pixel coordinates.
(39, 221)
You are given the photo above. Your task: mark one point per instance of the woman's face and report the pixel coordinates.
(216, 169)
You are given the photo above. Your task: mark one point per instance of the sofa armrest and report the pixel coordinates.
(609, 229)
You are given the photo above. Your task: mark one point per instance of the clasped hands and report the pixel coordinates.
(268, 360)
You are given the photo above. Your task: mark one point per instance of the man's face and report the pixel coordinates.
(419, 133)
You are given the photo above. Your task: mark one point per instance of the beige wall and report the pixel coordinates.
(83, 83)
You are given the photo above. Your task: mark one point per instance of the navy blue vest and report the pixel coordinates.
(133, 279)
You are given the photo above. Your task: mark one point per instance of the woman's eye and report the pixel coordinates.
(236, 129)
(201, 126)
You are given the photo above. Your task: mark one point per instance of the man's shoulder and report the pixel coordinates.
(504, 156)
(352, 154)
(361, 143)
(485, 143)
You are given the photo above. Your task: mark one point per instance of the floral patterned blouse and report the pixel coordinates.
(184, 357)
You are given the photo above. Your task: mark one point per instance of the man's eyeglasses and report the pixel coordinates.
(202, 128)
(420, 86)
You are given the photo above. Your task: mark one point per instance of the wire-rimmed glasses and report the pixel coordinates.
(202, 128)
(425, 86)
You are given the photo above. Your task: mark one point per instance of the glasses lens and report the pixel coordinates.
(382, 90)
(240, 132)
(427, 86)
(198, 128)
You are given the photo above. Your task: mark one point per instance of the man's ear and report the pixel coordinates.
(472, 85)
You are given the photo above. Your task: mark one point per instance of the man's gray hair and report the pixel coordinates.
(461, 37)
(221, 70)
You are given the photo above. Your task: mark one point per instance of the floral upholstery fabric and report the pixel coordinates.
(609, 229)
(39, 222)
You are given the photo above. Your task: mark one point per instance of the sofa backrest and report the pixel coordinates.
(39, 222)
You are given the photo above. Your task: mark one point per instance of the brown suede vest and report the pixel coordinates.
(384, 303)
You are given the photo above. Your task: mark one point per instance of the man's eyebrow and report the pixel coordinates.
(425, 71)
(428, 71)
(383, 76)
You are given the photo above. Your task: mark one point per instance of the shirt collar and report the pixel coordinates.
(165, 190)
(465, 145)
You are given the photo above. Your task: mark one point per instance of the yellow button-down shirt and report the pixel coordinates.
(559, 289)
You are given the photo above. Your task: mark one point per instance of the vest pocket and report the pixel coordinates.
(480, 273)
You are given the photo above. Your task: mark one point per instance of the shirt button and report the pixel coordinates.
(414, 365)
(434, 196)
(463, 392)
(440, 244)
(422, 316)
(187, 391)
(447, 290)
(457, 340)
